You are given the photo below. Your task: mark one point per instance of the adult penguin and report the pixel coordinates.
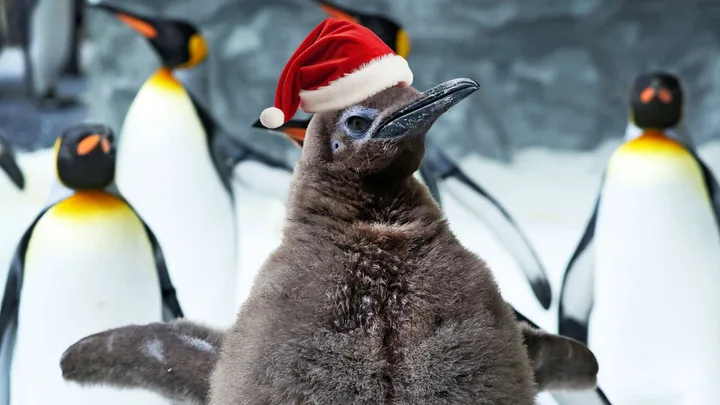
(650, 256)
(369, 298)
(85, 262)
(46, 28)
(9, 164)
(173, 165)
(438, 168)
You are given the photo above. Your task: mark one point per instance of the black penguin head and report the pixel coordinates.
(384, 133)
(8, 163)
(178, 43)
(85, 157)
(656, 101)
(386, 29)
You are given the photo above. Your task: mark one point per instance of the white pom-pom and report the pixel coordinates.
(272, 117)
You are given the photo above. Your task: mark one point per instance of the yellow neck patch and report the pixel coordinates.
(653, 158)
(164, 79)
(89, 203)
(653, 142)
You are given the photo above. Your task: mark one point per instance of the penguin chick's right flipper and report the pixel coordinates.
(9, 165)
(503, 226)
(576, 293)
(171, 306)
(228, 151)
(172, 359)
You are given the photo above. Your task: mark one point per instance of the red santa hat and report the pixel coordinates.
(339, 64)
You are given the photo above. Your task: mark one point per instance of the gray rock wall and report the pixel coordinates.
(553, 72)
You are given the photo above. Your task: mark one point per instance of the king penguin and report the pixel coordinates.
(9, 164)
(438, 169)
(47, 37)
(86, 262)
(172, 164)
(643, 286)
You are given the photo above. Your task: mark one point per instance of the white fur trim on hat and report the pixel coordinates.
(369, 79)
(272, 117)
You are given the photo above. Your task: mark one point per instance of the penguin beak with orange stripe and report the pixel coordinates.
(294, 130)
(178, 43)
(656, 101)
(386, 29)
(9, 165)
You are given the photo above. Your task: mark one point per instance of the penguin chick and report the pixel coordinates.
(119, 357)
(370, 298)
(9, 164)
(656, 101)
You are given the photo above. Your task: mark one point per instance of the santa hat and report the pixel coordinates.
(339, 64)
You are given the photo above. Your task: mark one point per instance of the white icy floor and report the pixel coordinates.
(549, 193)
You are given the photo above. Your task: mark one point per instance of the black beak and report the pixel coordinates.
(10, 166)
(422, 113)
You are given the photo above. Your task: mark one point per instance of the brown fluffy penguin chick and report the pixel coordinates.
(370, 299)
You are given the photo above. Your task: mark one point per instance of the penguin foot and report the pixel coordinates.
(53, 101)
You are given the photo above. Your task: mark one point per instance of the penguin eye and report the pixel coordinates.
(358, 124)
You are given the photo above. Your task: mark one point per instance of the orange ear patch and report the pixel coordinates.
(105, 145)
(647, 95)
(665, 96)
(333, 12)
(140, 26)
(88, 144)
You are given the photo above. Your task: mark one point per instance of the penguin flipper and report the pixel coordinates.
(431, 181)
(569, 375)
(171, 306)
(576, 293)
(711, 185)
(127, 357)
(227, 151)
(503, 226)
(9, 309)
(9, 164)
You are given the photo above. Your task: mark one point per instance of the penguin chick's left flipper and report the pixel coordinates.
(228, 151)
(559, 362)
(9, 164)
(171, 306)
(576, 293)
(503, 226)
(172, 359)
(569, 377)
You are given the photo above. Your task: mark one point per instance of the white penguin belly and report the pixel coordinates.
(654, 326)
(165, 171)
(83, 274)
(50, 36)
